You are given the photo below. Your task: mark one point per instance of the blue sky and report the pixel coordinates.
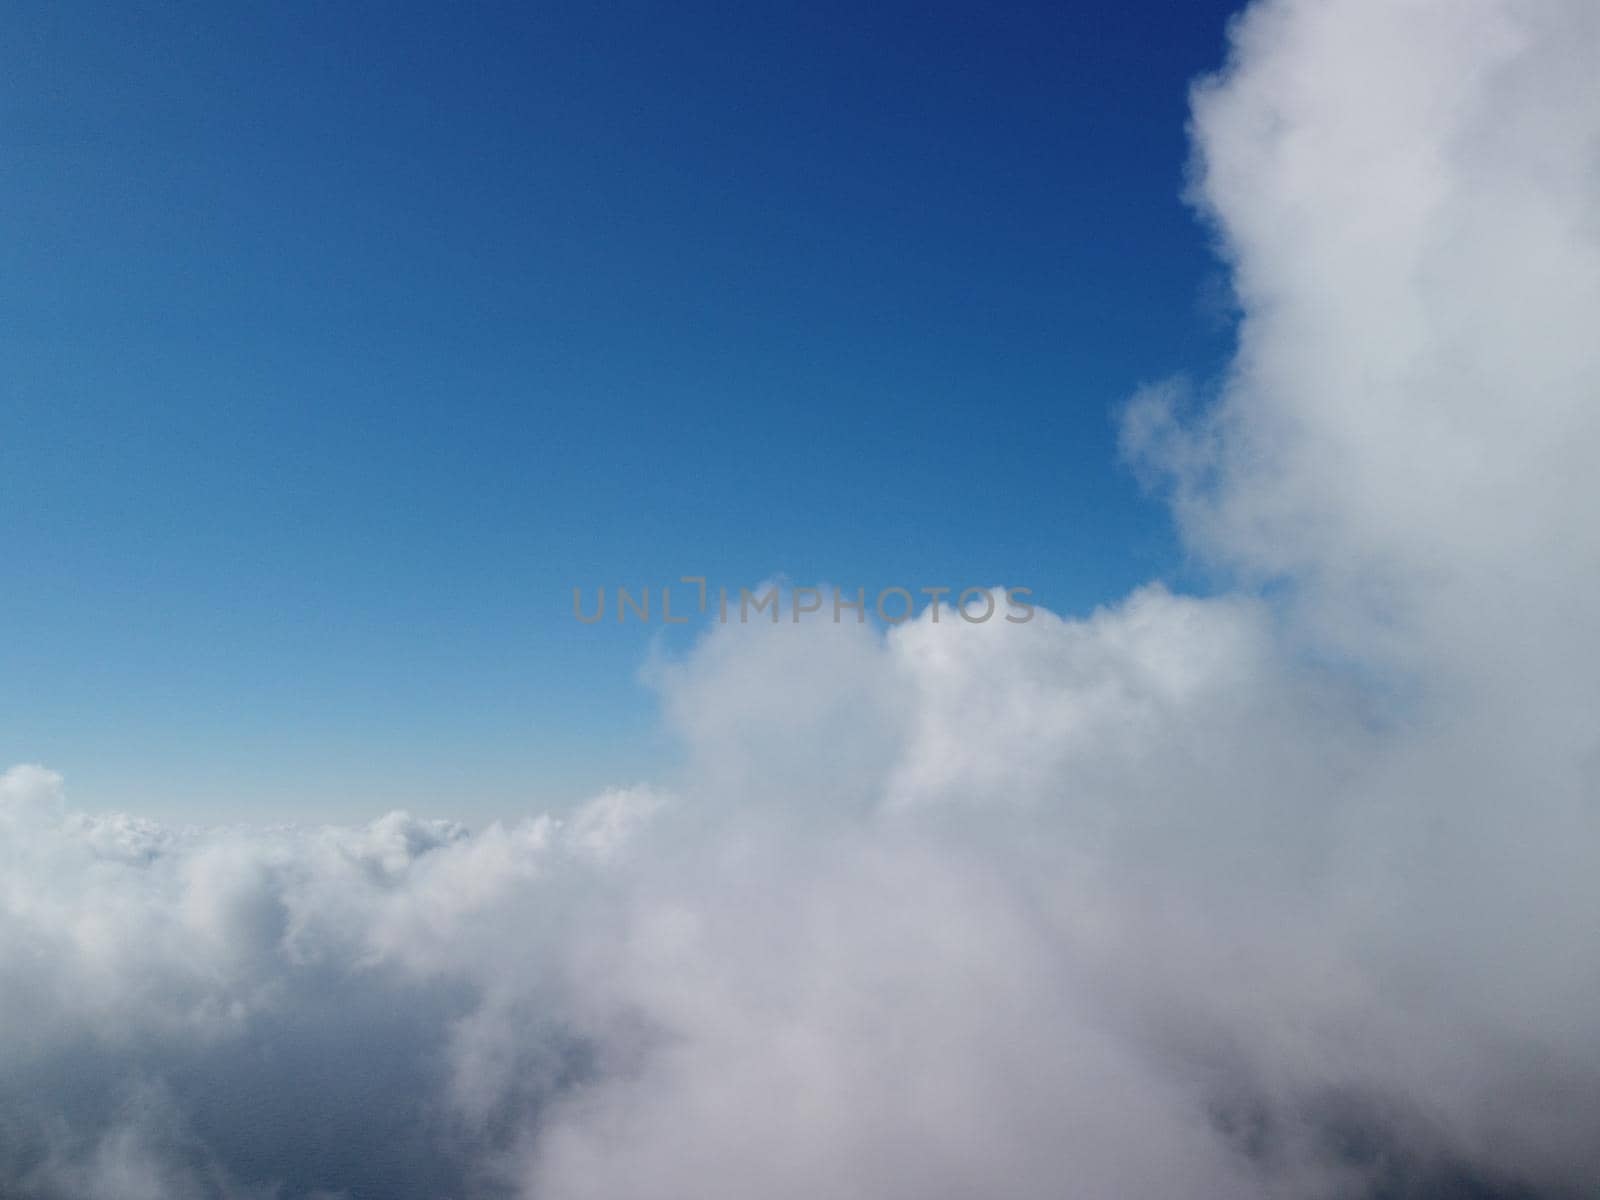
(341, 342)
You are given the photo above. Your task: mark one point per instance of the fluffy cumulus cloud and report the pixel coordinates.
(1284, 892)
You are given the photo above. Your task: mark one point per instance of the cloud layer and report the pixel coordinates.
(1288, 891)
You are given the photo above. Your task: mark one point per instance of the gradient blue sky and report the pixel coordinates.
(340, 342)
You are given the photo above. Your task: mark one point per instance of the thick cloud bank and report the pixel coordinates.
(1291, 892)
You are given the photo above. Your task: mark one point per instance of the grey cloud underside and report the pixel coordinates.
(1287, 892)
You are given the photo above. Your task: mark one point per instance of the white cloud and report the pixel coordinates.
(1222, 897)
